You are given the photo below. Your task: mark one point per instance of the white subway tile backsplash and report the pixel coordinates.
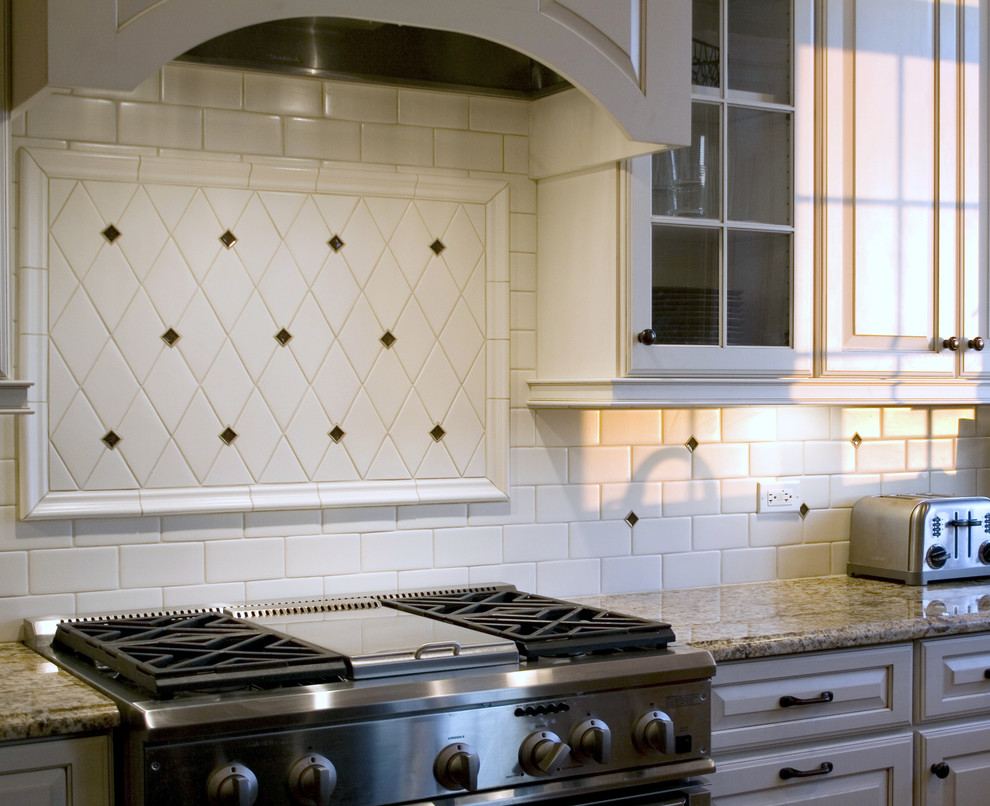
(282, 95)
(72, 118)
(598, 464)
(162, 565)
(476, 545)
(233, 560)
(75, 569)
(161, 125)
(749, 565)
(405, 145)
(531, 542)
(14, 573)
(242, 132)
(722, 461)
(810, 560)
(397, 551)
(569, 578)
(326, 555)
(775, 529)
(698, 569)
(192, 86)
(690, 498)
(661, 536)
(346, 101)
(577, 475)
(324, 139)
(643, 499)
(563, 503)
(599, 539)
(631, 574)
(719, 532)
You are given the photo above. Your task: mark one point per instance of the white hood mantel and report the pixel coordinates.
(629, 60)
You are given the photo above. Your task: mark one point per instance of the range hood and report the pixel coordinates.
(379, 52)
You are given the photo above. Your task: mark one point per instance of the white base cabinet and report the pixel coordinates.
(58, 772)
(954, 764)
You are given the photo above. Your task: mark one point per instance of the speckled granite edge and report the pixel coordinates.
(782, 617)
(40, 700)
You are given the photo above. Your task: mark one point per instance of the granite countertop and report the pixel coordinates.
(39, 700)
(762, 619)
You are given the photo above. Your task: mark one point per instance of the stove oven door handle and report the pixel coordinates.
(439, 646)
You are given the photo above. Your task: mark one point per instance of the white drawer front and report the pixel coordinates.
(809, 696)
(953, 678)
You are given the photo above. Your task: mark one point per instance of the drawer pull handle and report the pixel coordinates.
(941, 770)
(986, 674)
(789, 772)
(825, 696)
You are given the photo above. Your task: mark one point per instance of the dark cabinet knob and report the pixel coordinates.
(941, 770)
(976, 344)
(951, 343)
(647, 337)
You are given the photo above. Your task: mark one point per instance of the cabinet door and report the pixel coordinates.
(864, 773)
(75, 772)
(954, 765)
(902, 210)
(721, 230)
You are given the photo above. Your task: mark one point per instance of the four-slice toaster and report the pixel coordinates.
(920, 538)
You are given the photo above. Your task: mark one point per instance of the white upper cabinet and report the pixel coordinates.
(823, 239)
(630, 60)
(903, 195)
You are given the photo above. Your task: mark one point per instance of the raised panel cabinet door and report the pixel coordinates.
(869, 772)
(900, 186)
(34, 788)
(954, 765)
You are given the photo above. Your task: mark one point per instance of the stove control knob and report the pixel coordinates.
(232, 785)
(312, 780)
(984, 552)
(937, 556)
(543, 753)
(456, 767)
(592, 741)
(654, 733)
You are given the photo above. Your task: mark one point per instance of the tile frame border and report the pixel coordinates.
(37, 502)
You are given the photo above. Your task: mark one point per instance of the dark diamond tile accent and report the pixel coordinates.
(856, 440)
(283, 337)
(691, 444)
(387, 339)
(110, 439)
(632, 518)
(228, 435)
(437, 432)
(228, 239)
(111, 233)
(336, 433)
(804, 509)
(335, 243)
(437, 246)
(170, 337)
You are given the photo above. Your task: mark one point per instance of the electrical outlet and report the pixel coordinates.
(780, 496)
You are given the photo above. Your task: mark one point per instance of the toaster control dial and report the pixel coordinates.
(936, 556)
(984, 552)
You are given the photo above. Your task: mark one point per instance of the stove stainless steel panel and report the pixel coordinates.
(627, 726)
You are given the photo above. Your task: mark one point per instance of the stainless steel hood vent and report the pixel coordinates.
(383, 53)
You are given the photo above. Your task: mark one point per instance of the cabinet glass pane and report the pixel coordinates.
(686, 180)
(759, 50)
(759, 165)
(705, 41)
(758, 303)
(685, 284)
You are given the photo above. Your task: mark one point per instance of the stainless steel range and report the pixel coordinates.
(480, 695)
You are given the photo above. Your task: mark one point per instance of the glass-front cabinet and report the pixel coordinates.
(721, 230)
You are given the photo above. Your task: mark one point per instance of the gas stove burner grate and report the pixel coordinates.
(540, 626)
(165, 655)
